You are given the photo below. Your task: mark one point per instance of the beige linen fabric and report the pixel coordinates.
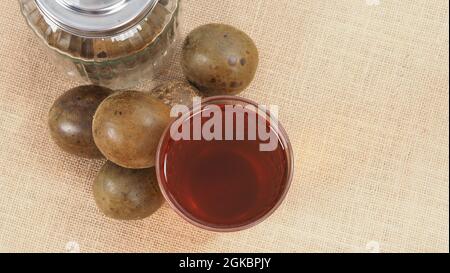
(363, 92)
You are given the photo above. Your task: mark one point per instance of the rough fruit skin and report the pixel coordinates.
(176, 93)
(127, 127)
(126, 194)
(70, 120)
(219, 59)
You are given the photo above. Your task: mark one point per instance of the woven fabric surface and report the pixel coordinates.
(362, 87)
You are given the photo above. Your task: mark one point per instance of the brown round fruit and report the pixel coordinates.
(176, 92)
(126, 194)
(127, 127)
(219, 59)
(70, 120)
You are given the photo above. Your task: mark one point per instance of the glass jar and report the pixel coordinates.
(111, 43)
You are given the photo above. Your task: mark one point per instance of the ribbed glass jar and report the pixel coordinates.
(111, 43)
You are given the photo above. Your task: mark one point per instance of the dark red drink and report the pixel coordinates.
(225, 184)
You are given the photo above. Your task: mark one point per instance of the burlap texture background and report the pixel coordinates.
(363, 90)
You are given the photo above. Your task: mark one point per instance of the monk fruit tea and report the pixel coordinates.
(221, 181)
